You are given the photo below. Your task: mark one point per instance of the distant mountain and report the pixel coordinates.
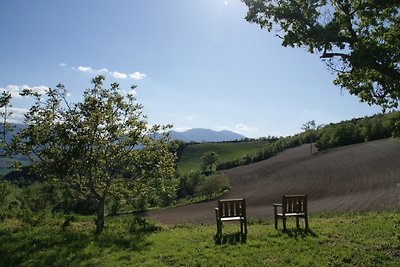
(205, 135)
(192, 135)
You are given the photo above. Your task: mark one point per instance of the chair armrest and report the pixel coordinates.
(276, 205)
(216, 213)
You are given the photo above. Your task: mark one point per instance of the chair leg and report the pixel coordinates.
(276, 222)
(306, 221)
(284, 223)
(297, 223)
(219, 229)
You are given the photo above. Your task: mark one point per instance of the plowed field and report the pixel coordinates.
(352, 178)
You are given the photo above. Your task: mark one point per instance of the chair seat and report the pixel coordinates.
(227, 219)
(291, 214)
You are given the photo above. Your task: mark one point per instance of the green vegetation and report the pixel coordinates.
(191, 180)
(352, 239)
(235, 154)
(99, 157)
(90, 150)
(190, 160)
(358, 39)
(359, 130)
(196, 186)
(121, 177)
(209, 160)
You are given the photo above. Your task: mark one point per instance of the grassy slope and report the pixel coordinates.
(357, 239)
(191, 157)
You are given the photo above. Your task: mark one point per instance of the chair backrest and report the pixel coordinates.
(232, 208)
(294, 204)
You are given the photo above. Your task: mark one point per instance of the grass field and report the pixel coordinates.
(191, 157)
(351, 239)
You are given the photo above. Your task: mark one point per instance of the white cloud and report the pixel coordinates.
(90, 70)
(16, 89)
(62, 64)
(18, 115)
(39, 89)
(116, 74)
(85, 69)
(13, 89)
(119, 75)
(137, 75)
(246, 129)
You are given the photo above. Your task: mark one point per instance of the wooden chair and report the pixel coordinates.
(231, 210)
(291, 206)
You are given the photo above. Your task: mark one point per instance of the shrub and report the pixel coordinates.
(142, 226)
(340, 135)
(213, 185)
(188, 184)
(5, 190)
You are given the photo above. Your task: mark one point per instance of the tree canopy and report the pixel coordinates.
(209, 160)
(99, 148)
(358, 40)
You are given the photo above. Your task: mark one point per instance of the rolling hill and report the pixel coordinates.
(358, 177)
(191, 156)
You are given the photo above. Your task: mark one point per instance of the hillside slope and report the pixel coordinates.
(357, 177)
(191, 159)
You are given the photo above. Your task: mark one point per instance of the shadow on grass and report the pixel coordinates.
(50, 246)
(231, 239)
(299, 233)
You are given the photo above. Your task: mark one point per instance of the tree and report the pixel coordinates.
(309, 129)
(209, 160)
(310, 125)
(100, 148)
(358, 40)
(342, 134)
(6, 127)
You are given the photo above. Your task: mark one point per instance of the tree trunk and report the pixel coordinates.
(100, 217)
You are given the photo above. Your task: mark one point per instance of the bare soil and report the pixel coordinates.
(359, 177)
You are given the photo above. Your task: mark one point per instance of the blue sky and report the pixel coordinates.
(197, 63)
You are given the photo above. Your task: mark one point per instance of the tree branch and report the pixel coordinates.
(331, 55)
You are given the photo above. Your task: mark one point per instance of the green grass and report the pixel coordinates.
(191, 157)
(356, 239)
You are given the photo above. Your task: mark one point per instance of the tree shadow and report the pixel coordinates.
(31, 244)
(231, 239)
